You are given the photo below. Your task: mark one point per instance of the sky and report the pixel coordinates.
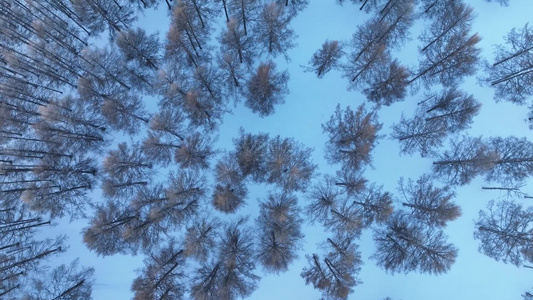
(310, 103)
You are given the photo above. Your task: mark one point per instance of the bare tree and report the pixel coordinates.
(436, 117)
(350, 181)
(280, 230)
(336, 274)
(61, 187)
(512, 71)
(322, 197)
(388, 84)
(233, 74)
(230, 190)
(272, 30)
(63, 282)
(266, 88)
(527, 296)
(251, 154)
(99, 15)
(233, 40)
(454, 108)
(416, 134)
(244, 11)
(104, 235)
(201, 238)
(228, 197)
(515, 160)
(450, 51)
(288, 164)
(127, 163)
(429, 204)
(137, 45)
(504, 232)
(326, 58)
(345, 218)
(231, 275)
(195, 151)
(163, 274)
(184, 196)
(352, 136)
(467, 158)
(375, 205)
(404, 246)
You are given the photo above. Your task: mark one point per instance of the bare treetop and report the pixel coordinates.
(352, 136)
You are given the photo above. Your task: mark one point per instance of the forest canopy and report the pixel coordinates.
(218, 154)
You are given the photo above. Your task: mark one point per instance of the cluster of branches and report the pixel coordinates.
(49, 137)
(23, 259)
(438, 116)
(505, 232)
(369, 64)
(511, 74)
(222, 255)
(448, 52)
(508, 161)
(260, 159)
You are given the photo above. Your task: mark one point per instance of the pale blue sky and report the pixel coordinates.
(310, 103)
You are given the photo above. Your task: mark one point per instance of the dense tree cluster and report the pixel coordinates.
(167, 191)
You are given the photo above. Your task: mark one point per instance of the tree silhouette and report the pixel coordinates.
(201, 238)
(272, 30)
(454, 108)
(467, 158)
(63, 282)
(429, 204)
(504, 232)
(404, 246)
(231, 275)
(387, 85)
(352, 136)
(288, 164)
(375, 205)
(335, 275)
(162, 276)
(104, 235)
(99, 15)
(511, 71)
(234, 40)
(137, 46)
(127, 163)
(322, 197)
(244, 11)
(437, 116)
(266, 88)
(280, 234)
(416, 134)
(251, 154)
(450, 51)
(326, 58)
(515, 160)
